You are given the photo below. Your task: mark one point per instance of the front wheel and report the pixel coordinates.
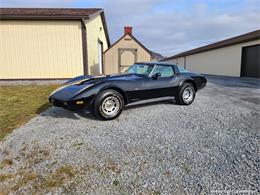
(186, 94)
(108, 105)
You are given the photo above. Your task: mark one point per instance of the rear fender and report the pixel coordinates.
(189, 81)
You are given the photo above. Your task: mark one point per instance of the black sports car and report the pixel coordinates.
(107, 95)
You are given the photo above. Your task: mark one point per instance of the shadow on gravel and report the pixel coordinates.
(42, 108)
(235, 82)
(76, 115)
(69, 114)
(145, 104)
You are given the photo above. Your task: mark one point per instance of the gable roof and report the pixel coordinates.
(139, 43)
(157, 56)
(41, 12)
(54, 13)
(251, 36)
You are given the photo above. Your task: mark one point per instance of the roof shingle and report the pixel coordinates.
(53, 13)
(47, 12)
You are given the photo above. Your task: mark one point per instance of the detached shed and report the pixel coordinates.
(125, 52)
(47, 43)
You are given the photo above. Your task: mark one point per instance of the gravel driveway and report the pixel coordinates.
(209, 147)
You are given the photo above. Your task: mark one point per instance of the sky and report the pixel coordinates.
(167, 26)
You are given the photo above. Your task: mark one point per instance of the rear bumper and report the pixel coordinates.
(202, 83)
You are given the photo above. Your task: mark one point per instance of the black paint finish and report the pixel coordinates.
(133, 87)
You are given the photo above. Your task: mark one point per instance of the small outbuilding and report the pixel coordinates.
(47, 43)
(237, 56)
(125, 52)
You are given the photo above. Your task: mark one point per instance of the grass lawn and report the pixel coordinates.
(18, 104)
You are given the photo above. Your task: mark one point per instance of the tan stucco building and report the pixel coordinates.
(48, 43)
(237, 56)
(125, 52)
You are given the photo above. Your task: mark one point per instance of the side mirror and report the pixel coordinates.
(156, 75)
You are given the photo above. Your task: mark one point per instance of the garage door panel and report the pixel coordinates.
(250, 66)
(40, 49)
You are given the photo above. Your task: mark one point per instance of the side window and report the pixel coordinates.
(182, 70)
(166, 71)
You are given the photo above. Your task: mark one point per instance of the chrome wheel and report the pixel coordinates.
(110, 106)
(188, 95)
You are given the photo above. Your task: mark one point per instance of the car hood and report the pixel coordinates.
(75, 86)
(67, 92)
(92, 79)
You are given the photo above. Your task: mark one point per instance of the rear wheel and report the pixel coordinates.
(108, 104)
(186, 94)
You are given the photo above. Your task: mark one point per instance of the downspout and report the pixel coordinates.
(185, 62)
(84, 46)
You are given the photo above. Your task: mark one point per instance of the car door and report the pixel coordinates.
(161, 86)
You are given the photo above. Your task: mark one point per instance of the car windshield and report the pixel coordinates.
(143, 69)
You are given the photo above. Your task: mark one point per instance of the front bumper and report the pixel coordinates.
(82, 104)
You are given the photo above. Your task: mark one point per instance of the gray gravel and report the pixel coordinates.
(209, 147)
(32, 82)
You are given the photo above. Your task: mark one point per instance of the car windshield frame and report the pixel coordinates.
(148, 73)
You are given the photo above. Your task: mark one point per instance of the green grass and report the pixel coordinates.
(57, 178)
(23, 178)
(18, 104)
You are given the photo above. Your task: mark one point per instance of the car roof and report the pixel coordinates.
(156, 63)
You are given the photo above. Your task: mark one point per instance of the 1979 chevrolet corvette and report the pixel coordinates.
(107, 95)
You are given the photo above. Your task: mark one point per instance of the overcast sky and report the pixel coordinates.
(168, 26)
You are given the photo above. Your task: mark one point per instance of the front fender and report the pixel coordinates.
(121, 91)
(93, 91)
(78, 78)
(90, 93)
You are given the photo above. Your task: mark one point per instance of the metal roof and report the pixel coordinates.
(251, 36)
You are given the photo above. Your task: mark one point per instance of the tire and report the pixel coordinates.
(186, 94)
(108, 104)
